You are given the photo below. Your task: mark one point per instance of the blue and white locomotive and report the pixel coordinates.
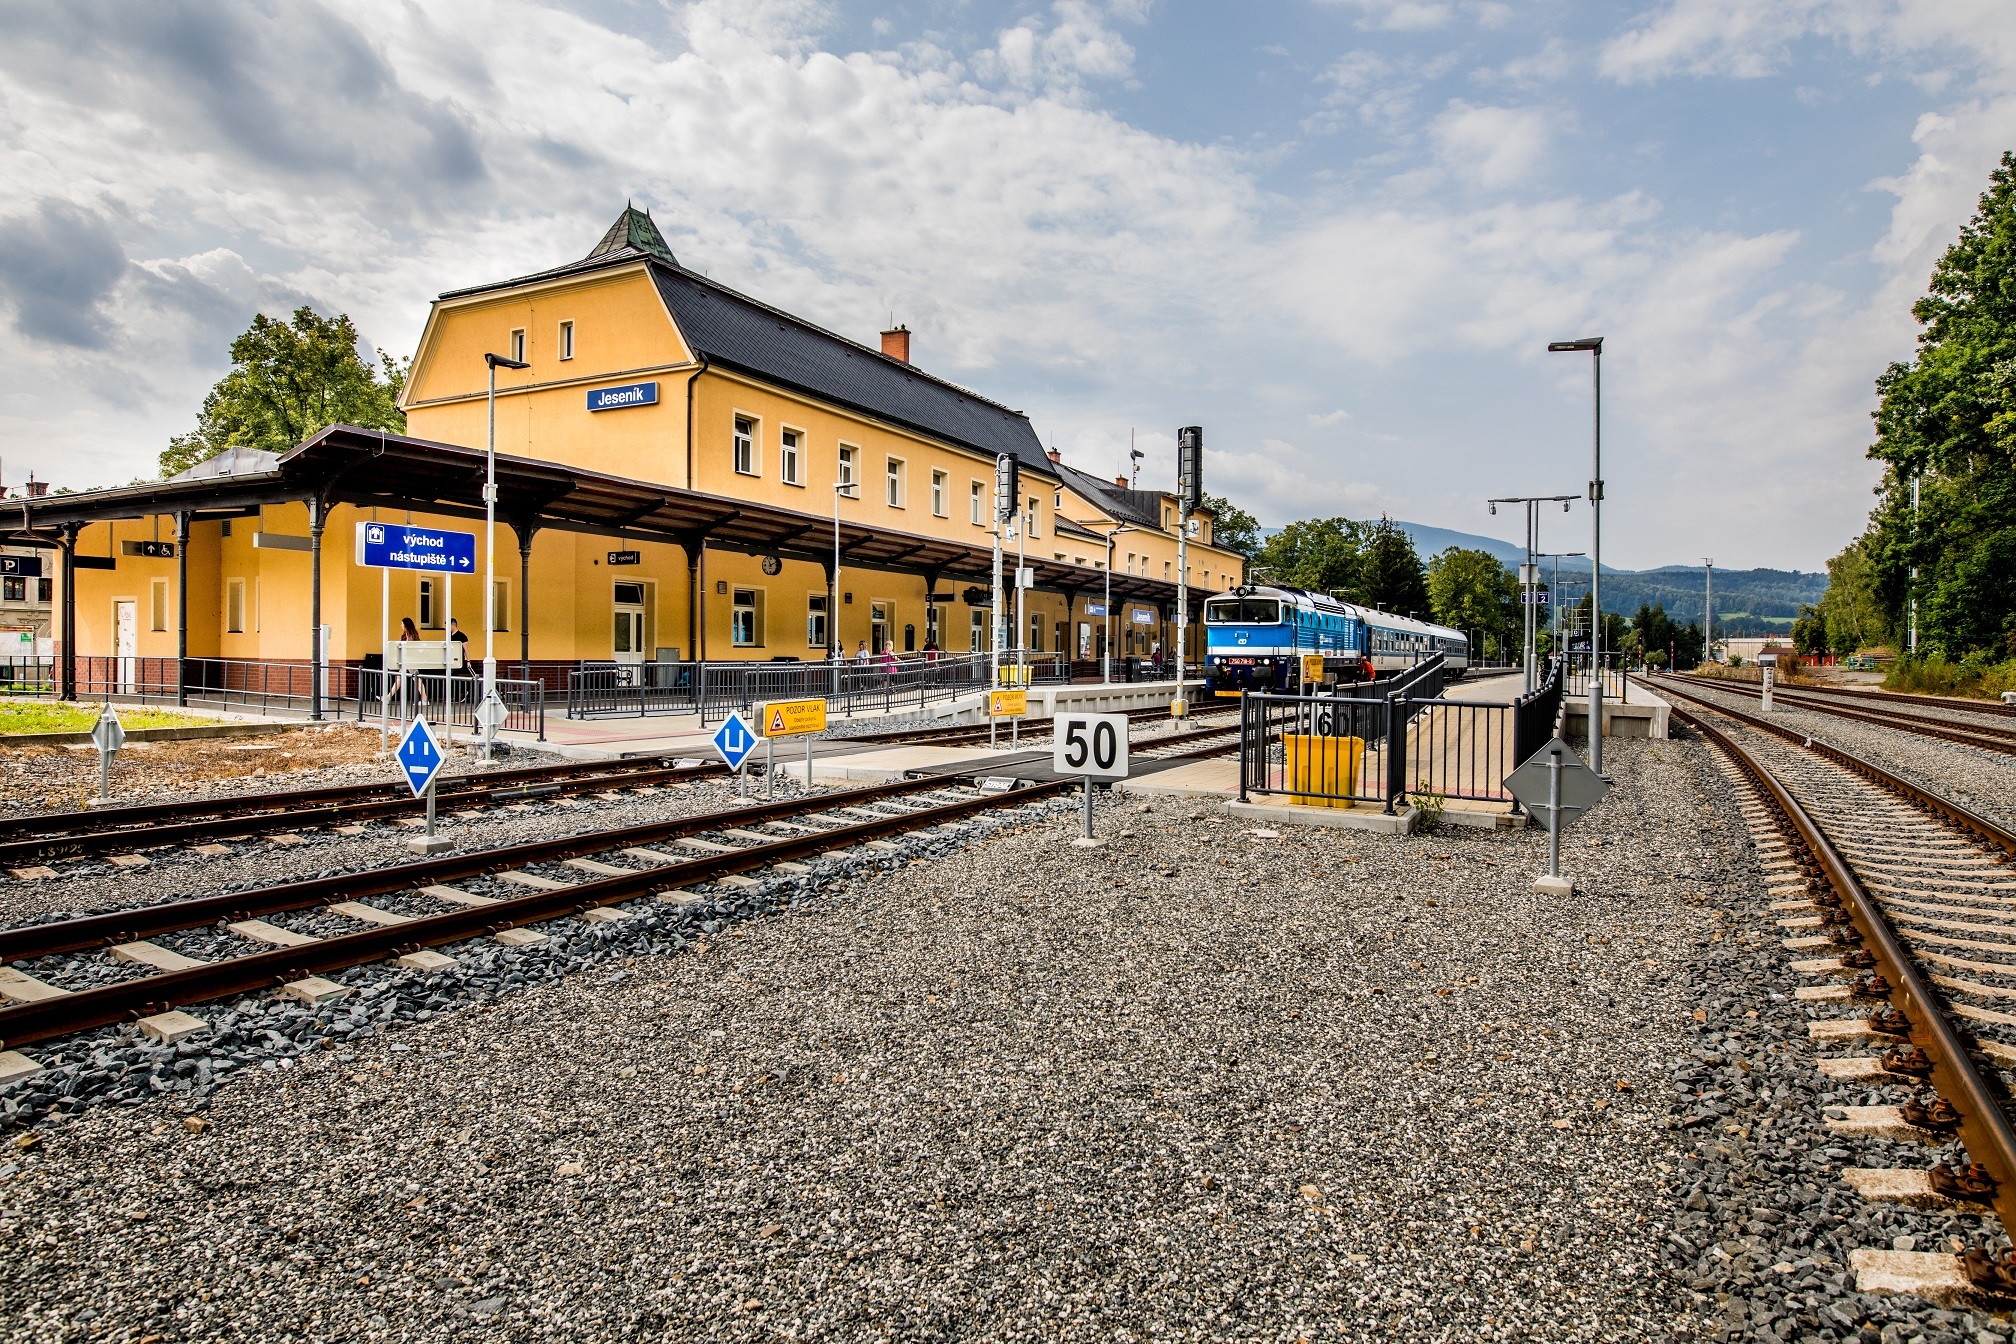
(1259, 638)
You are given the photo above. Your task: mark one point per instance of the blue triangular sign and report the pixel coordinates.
(420, 756)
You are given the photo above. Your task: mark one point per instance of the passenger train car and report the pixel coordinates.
(1265, 639)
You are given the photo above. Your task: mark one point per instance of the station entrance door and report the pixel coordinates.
(629, 642)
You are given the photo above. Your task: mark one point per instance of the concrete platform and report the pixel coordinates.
(889, 763)
(1366, 817)
(1643, 714)
(1216, 778)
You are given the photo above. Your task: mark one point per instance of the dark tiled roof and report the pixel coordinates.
(745, 334)
(1142, 508)
(735, 330)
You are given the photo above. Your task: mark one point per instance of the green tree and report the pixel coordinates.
(1391, 576)
(1232, 528)
(1852, 608)
(1948, 419)
(1809, 632)
(1472, 591)
(1322, 555)
(1654, 628)
(287, 381)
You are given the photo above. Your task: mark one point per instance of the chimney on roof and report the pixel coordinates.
(896, 343)
(36, 489)
(1052, 453)
(1121, 481)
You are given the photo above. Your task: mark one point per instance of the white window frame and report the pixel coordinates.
(978, 491)
(754, 606)
(817, 616)
(745, 449)
(977, 638)
(939, 503)
(1035, 516)
(893, 481)
(567, 339)
(791, 456)
(518, 344)
(850, 458)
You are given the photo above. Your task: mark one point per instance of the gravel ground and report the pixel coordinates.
(1984, 781)
(40, 779)
(1316, 1085)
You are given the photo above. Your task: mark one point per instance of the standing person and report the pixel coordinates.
(410, 634)
(456, 636)
(861, 654)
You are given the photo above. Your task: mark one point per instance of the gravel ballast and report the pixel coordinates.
(1205, 1082)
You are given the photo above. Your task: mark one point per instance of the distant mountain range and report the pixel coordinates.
(1753, 601)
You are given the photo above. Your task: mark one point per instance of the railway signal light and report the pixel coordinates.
(1190, 468)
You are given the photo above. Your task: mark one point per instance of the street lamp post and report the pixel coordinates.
(1106, 668)
(833, 593)
(490, 559)
(1708, 616)
(1594, 345)
(1529, 572)
(1554, 591)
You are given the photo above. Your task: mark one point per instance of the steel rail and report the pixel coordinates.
(1983, 1126)
(1994, 708)
(16, 852)
(26, 839)
(1992, 832)
(144, 921)
(45, 1019)
(1982, 736)
(137, 816)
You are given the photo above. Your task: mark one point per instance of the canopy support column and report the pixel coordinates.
(182, 607)
(317, 655)
(68, 658)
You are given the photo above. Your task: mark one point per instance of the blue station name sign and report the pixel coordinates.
(617, 398)
(432, 550)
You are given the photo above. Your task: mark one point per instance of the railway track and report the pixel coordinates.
(292, 934)
(1911, 719)
(1900, 908)
(29, 842)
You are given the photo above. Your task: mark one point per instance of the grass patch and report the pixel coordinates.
(1934, 675)
(42, 716)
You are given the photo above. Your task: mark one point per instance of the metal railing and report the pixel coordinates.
(449, 701)
(1537, 714)
(713, 690)
(1377, 743)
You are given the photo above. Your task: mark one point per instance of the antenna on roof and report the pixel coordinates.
(1136, 455)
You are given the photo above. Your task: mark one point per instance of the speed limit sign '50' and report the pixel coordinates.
(1093, 745)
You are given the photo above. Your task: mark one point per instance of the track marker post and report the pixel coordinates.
(1556, 787)
(108, 735)
(420, 761)
(1091, 746)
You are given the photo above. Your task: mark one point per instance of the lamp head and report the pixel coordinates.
(1564, 506)
(1581, 343)
(501, 362)
(1494, 508)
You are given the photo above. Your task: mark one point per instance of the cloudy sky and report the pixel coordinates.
(1336, 233)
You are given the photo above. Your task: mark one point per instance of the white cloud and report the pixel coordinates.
(1492, 147)
(1401, 15)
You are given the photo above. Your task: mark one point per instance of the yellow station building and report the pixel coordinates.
(675, 463)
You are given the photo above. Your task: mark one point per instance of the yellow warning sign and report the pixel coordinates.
(791, 718)
(1007, 704)
(1312, 668)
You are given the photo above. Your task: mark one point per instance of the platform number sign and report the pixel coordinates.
(1091, 745)
(420, 756)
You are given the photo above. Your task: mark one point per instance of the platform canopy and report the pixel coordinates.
(370, 469)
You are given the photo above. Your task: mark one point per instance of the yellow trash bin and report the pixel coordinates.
(1316, 766)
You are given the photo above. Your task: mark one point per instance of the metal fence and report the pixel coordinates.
(713, 690)
(448, 701)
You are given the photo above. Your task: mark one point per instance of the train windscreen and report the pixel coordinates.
(1242, 611)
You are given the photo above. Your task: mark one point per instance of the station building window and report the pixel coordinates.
(518, 344)
(745, 446)
(430, 605)
(977, 639)
(893, 481)
(14, 590)
(234, 607)
(566, 340)
(978, 500)
(1165, 571)
(815, 621)
(790, 458)
(848, 456)
(1035, 504)
(746, 621)
(159, 605)
(1035, 634)
(938, 505)
(500, 605)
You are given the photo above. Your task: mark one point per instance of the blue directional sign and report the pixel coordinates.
(431, 550)
(616, 398)
(735, 739)
(420, 756)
